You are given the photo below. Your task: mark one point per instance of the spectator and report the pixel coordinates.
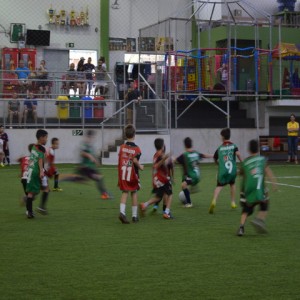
(293, 129)
(224, 75)
(71, 78)
(30, 105)
(88, 69)
(81, 77)
(100, 83)
(4, 147)
(132, 95)
(41, 75)
(14, 109)
(295, 78)
(23, 74)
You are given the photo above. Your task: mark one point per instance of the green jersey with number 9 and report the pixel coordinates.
(226, 157)
(253, 183)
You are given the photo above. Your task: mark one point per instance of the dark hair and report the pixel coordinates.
(129, 131)
(41, 133)
(80, 65)
(253, 146)
(188, 143)
(90, 133)
(102, 58)
(225, 133)
(159, 144)
(30, 147)
(292, 115)
(53, 140)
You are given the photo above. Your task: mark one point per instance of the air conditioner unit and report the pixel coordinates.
(237, 12)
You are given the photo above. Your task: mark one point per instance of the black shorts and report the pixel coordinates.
(246, 208)
(223, 184)
(87, 172)
(161, 191)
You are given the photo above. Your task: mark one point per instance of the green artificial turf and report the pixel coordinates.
(82, 251)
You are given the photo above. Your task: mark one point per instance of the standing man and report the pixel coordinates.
(4, 138)
(88, 68)
(14, 109)
(293, 129)
(133, 94)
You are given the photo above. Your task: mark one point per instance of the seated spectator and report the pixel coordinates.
(100, 73)
(14, 109)
(23, 76)
(71, 78)
(30, 106)
(81, 80)
(88, 68)
(41, 75)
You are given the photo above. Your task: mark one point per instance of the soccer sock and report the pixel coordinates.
(134, 211)
(164, 207)
(187, 195)
(8, 159)
(167, 210)
(100, 186)
(123, 208)
(56, 181)
(146, 204)
(44, 199)
(29, 204)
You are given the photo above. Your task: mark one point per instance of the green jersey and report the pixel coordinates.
(253, 183)
(226, 157)
(190, 161)
(86, 162)
(33, 179)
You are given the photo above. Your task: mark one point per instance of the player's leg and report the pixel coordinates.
(247, 210)
(134, 207)
(184, 187)
(42, 209)
(56, 180)
(232, 195)
(259, 221)
(213, 204)
(122, 215)
(98, 178)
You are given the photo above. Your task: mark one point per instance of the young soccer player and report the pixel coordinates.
(225, 158)
(89, 164)
(162, 186)
(36, 179)
(253, 190)
(24, 163)
(190, 160)
(5, 148)
(128, 174)
(52, 170)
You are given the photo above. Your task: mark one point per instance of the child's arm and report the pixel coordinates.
(162, 161)
(207, 155)
(40, 162)
(89, 156)
(137, 163)
(238, 154)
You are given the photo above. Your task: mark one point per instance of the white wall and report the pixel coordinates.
(205, 141)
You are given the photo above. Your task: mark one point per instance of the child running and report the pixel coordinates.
(253, 190)
(225, 158)
(162, 186)
(128, 174)
(190, 160)
(52, 170)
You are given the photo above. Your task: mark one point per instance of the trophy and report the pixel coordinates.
(87, 16)
(72, 17)
(63, 17)
(82, 17)
(57, 19)
(51, 14)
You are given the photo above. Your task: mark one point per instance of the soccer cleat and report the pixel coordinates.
(233, 205)
(259, 225)
(142, 208)
(123, 219)
(42, 211)
(168, 216)
(57, 189)
(188, 205)
(135, 219)
(30, 215)
(106, 196)
(1, 164)
(212, 207)
(241, 231)
(155, 208)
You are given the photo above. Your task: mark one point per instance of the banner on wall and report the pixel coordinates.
(117, 44)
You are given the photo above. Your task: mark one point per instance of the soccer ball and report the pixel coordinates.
(181, 197)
